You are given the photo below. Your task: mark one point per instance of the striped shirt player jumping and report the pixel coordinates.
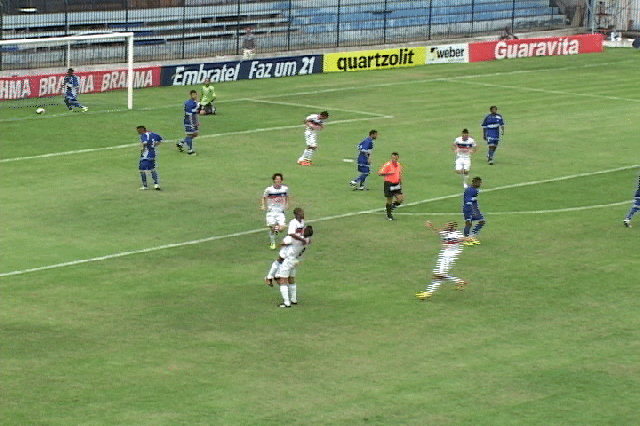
(312, 125)
(452, 240)
(275, 200)
(635, 207)
(71, 88)
(492, 129)
(463, 146)
(149, 141)
(471, 212)
(191, 108)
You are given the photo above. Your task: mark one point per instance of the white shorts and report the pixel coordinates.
(310, 137)
(463, 163)
(444, 263)
(275, 218)
(287, 268)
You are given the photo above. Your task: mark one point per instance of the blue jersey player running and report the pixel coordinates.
(492, 129)
(635, 207)
(364, 160)
(71, 86)
(149, 141)
(471, 212)
(191, 108)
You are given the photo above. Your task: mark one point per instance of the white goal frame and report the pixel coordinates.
(61, 41)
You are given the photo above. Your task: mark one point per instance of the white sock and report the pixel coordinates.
(284, 291)
(272, 236)
(433, 286)
(465, 180)
(307, 154)
(274, 268)
(292, 293)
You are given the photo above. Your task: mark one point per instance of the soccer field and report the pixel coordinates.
(128, 307)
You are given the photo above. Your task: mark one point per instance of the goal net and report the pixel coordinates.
(32, 71)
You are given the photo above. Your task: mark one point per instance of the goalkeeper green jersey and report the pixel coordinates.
(207, 94)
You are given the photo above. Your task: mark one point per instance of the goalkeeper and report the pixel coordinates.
(207, 96)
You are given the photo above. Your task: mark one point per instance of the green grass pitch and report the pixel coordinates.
(128, 307)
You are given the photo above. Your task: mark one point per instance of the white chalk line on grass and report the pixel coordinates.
(553, 92)
(169, 141)
(568, 209)
(334, 217)
(342, 88)
(449, 79)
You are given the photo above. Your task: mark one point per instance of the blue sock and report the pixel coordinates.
(188, 141)
(467, 228)
(478, 227)
(633, 210)
(361, 178)
(143, 176)
(154, 175)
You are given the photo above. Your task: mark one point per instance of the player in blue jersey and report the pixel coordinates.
(492, 129)
(149, 141)
(635, 207)
(191, 108)
(364, 160)
(471, 212)
(71, 87)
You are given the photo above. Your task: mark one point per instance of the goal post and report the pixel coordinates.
(41, 55)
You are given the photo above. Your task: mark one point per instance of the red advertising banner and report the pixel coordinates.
(524, 48)
(36, 86)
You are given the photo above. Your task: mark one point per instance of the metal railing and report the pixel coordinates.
(181, 29)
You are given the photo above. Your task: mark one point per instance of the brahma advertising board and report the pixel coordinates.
(190, 74)
(34, 86)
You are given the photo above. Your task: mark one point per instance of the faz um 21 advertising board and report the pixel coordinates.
(190, 74)
(524, 48)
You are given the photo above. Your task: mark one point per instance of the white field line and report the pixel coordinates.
(568, 209)
(372, 116)
(452, 79)
(553, 92)
(366, 86)
(262, 229)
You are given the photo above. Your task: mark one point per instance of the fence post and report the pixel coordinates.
(184, 26)
(473, 5)
(289, 19)
(1, 28)
(513, 15)
(238, 28)
(430, 13)
(384, 23)
(338, 26)
(126, 14)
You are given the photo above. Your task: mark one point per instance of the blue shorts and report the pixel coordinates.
(146, 164)
(188, 129)
(364, 168)
(493, 141)
(471, 213)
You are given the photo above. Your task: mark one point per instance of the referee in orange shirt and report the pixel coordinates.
(391, 172)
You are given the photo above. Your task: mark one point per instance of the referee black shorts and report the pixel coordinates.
(391, 189)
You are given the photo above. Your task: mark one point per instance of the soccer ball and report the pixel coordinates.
(40, 111)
